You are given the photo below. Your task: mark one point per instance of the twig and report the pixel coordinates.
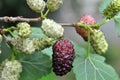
(19, 18)
(68, 24)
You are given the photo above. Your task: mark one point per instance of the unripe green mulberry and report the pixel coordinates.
(24, 45)
(98, 41)
(53, 5)
(112, 9)
(36, 5)
(24, 29)
(52, 29)
(42, 43)
(10, 70)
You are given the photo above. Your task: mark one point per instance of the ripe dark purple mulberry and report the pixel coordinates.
(63, 56)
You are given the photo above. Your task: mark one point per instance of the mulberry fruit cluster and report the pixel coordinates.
(36, 5)
(24, 29)
(24, 44)
(98, 41)
(88, 20)
(63, 56)
(52, 29)
(10, 70)
(28, 46)
(39, 5)
(112, 9)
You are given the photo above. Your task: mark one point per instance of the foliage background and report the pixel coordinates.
(71, 11)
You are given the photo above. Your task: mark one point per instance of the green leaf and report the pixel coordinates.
(93, 68)
(36, 33)
(50, 76)
(78, 49)
(48, 51)
(117, 24)
(35, 66)
(103, 5)
(6, 51)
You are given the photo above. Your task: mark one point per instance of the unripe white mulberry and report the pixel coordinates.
(24, 29)
(53, 5)
(28, 46)
(10, 70)
(98, 41)
(52, 29)
(36, 5)
(24, 45)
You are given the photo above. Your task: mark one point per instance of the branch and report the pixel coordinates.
(68, 24)
(38, 19)
(19, 18)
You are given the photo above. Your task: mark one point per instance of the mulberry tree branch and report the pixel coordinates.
(22, 19)
(38, 19)
(19, 18)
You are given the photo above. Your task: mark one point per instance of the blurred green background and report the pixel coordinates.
(70, 11)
